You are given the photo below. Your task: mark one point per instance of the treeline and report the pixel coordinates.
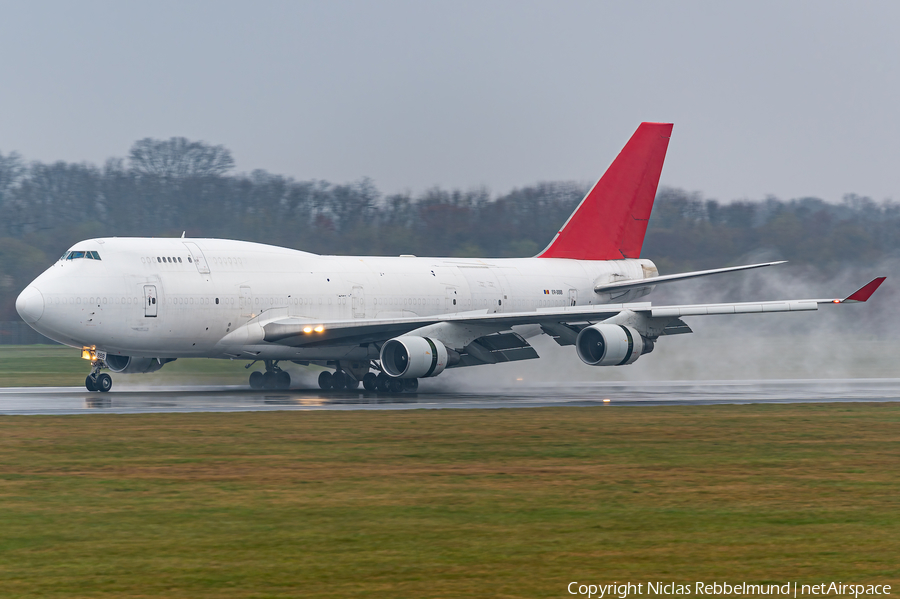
(165, 187)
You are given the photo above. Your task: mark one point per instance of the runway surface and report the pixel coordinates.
(72, 400)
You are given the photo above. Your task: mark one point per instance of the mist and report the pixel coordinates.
(834, 342)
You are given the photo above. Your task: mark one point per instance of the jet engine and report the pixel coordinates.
(610, 345)
(410, 357)
(129, 365)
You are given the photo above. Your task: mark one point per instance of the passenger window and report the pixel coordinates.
(158, 259)
(179, 260)
(189, 260)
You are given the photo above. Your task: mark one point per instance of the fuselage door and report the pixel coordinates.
(358, 300)
(573, 297)
(197, 257)
(150, 306)
(246, 301)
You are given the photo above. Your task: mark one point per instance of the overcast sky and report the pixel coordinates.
(784, 98)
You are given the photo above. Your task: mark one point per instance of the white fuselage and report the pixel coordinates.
(140, 300)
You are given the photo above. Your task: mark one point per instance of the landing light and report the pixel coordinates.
(88, 353)
(307, 330)
(319, 329)
(606, 401)
(835, 301)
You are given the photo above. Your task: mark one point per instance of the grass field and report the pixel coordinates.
(59, 366)
(446, 503)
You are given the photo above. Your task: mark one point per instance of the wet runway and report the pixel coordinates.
(72, 400)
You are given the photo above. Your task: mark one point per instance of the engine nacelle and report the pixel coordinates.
(129, 365)
(411, 357)
(609, 345)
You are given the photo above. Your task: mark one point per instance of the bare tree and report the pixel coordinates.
(179, 157)
(11, 171)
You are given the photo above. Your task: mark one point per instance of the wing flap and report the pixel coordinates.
(496, 348)
(676, 327)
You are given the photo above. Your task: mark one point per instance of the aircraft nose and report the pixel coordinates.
(30, 304)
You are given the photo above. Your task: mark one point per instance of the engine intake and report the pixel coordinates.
(609, 345)
(411, 357)
(129, 365)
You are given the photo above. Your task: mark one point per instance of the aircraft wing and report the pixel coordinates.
(562, 323)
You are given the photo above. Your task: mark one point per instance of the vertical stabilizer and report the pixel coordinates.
(611, 220)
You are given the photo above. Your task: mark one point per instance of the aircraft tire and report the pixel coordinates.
(411, 385)
(395, 386)
(339, 380)
(256, 380)
(89, 383)
(270, 380)
(370, 381)
(104, 383)
(382, 382)
(351, 383)
(325, 380)
(283, 380)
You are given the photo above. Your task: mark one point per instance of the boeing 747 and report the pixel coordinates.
(132, 305)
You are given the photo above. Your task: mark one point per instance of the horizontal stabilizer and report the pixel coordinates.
(626, 285)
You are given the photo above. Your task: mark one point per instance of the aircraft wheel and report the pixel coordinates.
(382, 382)
(104, 383)
(370, 381)
(325, 380)
(395, 386)
(339, 380)
(350, 383)
(256, 380)
(89, 383)
(283, 380)
(411, 385)
(269, 381)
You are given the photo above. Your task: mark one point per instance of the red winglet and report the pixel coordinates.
(866, 291)
(611, 220)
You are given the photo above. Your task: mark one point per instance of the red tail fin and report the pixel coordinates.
(611, 220)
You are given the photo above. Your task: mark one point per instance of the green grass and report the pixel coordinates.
(59, 366)
(446, 503)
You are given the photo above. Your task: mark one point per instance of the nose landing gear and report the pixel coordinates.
(96, 380)
(273, 378)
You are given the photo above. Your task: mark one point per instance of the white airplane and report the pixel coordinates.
(134, 304)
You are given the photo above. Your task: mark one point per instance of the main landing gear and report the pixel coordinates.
(337, 380)
(273, 378)
(96, 380)
(371, 381)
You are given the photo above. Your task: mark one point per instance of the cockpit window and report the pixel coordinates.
(78, 254)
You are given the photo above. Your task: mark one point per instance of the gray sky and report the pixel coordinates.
(787, 98)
